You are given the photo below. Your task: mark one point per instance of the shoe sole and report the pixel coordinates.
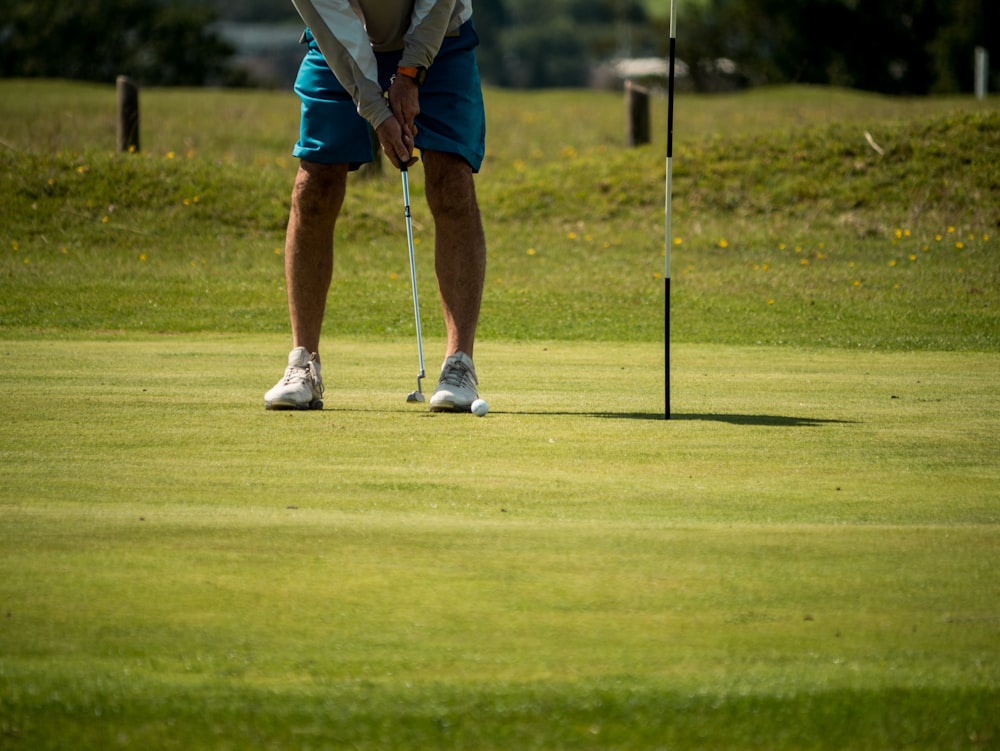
(292, 406)
(445, 407)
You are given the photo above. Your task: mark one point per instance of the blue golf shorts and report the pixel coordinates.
(452, 116)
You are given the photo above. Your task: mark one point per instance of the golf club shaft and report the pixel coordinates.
(413, 272)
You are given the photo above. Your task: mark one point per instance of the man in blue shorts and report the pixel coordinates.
(406, 68)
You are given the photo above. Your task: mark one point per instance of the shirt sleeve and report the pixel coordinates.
(427, 29)
(340, 33)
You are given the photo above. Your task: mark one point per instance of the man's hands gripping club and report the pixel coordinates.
(396, 134)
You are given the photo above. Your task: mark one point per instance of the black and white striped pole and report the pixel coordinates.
(668, 239)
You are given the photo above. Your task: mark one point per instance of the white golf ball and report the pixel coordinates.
(480, 407)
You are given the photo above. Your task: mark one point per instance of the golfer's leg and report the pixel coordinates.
(459, 246)
(317, 196)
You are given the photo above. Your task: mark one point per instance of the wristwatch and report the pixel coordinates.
(417, 74)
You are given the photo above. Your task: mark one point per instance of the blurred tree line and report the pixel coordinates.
(154, 42)
(890, 46)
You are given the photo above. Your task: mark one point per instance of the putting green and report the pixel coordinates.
(813, 535)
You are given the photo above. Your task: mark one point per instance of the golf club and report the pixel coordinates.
(418, 395)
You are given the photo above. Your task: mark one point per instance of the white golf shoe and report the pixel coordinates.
(302, 385)
(457, 388)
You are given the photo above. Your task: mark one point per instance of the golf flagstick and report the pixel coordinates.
(667, 233)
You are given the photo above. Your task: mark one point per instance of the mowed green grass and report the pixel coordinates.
(802, 557)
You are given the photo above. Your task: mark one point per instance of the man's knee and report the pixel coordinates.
(450, 186)
(319, 187)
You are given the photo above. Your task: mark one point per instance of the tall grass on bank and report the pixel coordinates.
(789, 226)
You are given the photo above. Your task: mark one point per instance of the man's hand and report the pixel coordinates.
(395, 145)
(397, 133)
(404, 99)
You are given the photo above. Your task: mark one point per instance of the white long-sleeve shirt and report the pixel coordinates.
(349, 32)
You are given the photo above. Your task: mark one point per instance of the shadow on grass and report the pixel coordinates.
(767, 421)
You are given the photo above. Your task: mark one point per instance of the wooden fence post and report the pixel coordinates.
(128, 114)
(637, 112)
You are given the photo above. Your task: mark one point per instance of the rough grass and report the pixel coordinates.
(811, 235)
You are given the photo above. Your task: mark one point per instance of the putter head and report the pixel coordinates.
(418, 395)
